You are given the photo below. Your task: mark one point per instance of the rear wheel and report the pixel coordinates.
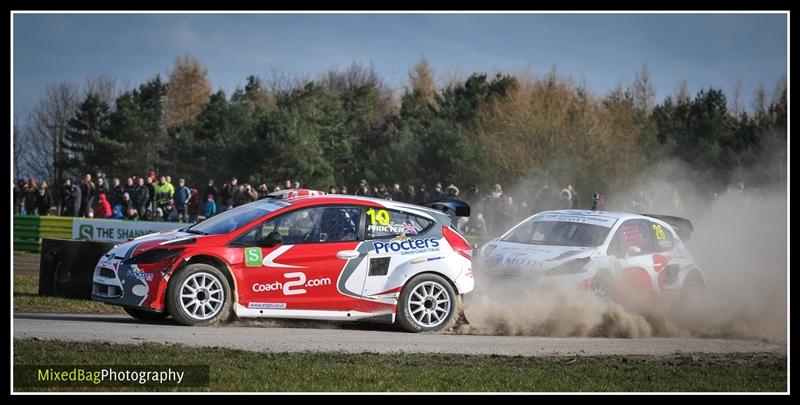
(199, 295)
(693, 292)
(146, 316)
(428, 303)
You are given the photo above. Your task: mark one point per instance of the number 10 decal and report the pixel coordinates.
(287, 286)
(382, 216)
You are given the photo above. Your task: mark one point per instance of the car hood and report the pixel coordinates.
(166, 238)
(513, 257)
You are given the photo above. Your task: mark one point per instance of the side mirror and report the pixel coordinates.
(272, 239)
(634, 251)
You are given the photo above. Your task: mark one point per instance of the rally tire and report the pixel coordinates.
(602, 285)
(146, 316)
(199, 295)
(428, 303)
(693, 292)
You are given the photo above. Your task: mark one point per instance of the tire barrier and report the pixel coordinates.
(67, 266)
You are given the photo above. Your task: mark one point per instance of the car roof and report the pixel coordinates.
(611, 214)
(370, 201)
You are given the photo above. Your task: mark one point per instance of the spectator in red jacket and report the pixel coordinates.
(103, 209)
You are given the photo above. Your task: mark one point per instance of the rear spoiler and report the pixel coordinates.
(450, 207)
(682, 226)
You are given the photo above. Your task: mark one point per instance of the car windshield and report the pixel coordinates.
(236, 218)
(538, 231)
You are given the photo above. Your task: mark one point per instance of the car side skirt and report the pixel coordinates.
(244, 312)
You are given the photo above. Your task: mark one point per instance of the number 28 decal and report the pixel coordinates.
(659, 230)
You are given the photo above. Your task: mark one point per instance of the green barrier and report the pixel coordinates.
(30, 229)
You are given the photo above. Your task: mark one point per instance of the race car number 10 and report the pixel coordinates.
(382, 216)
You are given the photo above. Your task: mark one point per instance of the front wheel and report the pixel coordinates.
(198, 294)
(146, 316)
(428, 303)
(603, 286)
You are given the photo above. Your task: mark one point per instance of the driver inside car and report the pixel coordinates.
(336, 225)
(300, 226)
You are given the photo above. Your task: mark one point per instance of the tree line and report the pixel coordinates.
(347, 125)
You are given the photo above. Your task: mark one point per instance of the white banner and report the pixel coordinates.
(117, 230)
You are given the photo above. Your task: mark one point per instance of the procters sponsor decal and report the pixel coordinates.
(407, 246)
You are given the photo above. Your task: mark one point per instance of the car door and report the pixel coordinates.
(636, 281)
(668, 258)
(301, 273)
(384, 226)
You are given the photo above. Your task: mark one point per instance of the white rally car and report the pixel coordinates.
(633, 259)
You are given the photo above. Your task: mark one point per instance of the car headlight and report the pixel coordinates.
(574, 266)
(154, 256)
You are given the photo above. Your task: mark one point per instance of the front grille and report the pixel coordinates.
(106, 291)
(107, 273)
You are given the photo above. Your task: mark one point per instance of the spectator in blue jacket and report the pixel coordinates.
(211, 206)
(181, 199)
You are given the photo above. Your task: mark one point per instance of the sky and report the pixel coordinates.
(602, 50)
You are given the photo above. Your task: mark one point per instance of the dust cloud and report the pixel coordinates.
(739, 242)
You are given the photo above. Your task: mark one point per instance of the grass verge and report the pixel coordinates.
(237, 370)
(27, 299)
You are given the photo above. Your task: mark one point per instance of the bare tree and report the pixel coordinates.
(780, 89)
(760, 101)
(644, 95)
(682, 92)
(104, 87)
(41, 150)
(16, 141)
(737, 98)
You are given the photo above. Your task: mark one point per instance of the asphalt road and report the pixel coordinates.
(358, 338)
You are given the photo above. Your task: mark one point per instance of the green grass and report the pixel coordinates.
(27, 299)
(236, 370)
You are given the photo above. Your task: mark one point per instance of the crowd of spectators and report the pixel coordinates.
(155, 198)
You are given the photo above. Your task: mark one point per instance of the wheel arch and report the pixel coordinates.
(442, 275)
(694, 271)
(215, 262)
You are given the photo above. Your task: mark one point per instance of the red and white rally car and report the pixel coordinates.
(329, 257)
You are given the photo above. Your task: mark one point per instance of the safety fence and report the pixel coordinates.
(30, 229)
